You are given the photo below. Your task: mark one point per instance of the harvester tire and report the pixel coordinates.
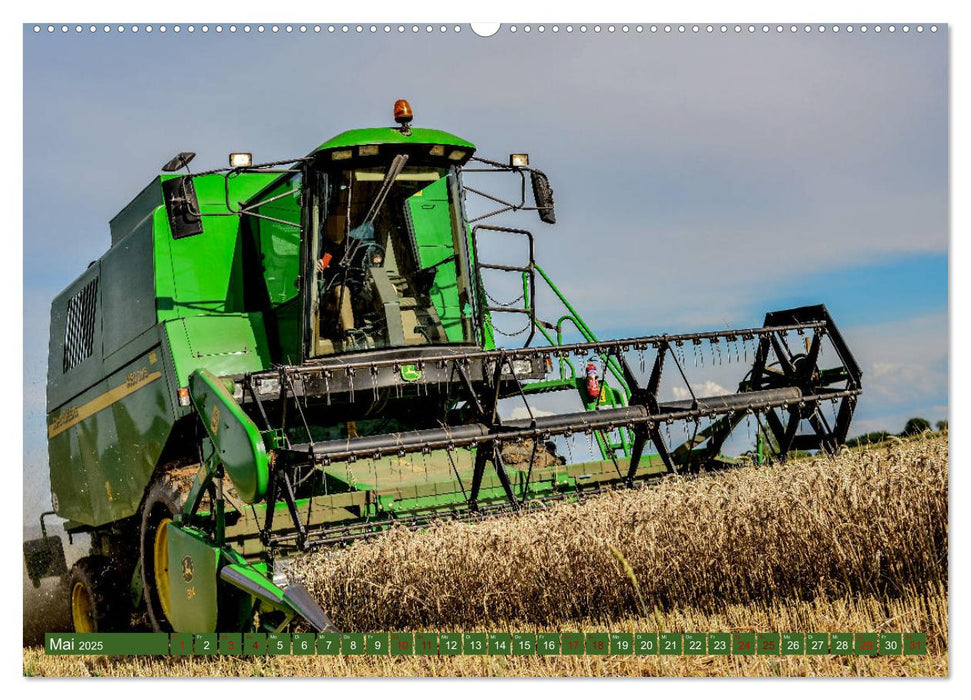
(98, 597)
(161, 504)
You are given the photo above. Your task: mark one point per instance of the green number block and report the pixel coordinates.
(621, 643)
(402, 643)
(475, 643)
(915, 644)
(180, 644)
(449, 643)
(768, 643)
(571, 643)
(305, 643)
(694, 643)
(376, 644)
(867, 644)
(548, 644)
(743, 643)
(597, 643)
(352, 644)
(793, 644)
(231, 643)
(720, 643)
(254, 644)
(645, 643)
(277, 644)
(523, 643)
(426, 644)
(891, 643)
(817, 643)
(841, 643)
(328, 644)
(669, 643)
(500, 644)
(206, 643)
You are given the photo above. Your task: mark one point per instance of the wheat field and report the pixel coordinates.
(868, 522)
(852, 543)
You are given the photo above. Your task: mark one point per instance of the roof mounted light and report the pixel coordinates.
(402, 112)
(519, 160)
(403, 115)
(240, 160)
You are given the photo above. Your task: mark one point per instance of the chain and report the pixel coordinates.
(503, 303)
(514, 334)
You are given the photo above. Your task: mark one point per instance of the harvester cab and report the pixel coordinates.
(301, 354)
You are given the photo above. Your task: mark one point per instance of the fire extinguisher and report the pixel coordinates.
(593, 383)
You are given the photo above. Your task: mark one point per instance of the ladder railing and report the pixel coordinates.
(528, 274)
(569, 378)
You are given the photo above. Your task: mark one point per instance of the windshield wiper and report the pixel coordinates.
(397, 165)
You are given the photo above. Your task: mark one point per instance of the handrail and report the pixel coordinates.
(612, 365)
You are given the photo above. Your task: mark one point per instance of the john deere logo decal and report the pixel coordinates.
(187, 568)
(410, 373)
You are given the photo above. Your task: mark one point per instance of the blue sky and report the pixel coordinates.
(701, 180)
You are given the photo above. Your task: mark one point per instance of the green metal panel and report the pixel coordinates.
(390, 134)
(193, 581)
(277, 247)
(128, 289)
(279, 243)
(226, 344)
(137, 212)
(237, 440)
(204, 273)
(104, 444)
(431, 222)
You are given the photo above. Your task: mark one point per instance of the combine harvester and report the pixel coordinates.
(279, 357)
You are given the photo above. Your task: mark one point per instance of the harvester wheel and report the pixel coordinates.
(161, 504)
(99, 599)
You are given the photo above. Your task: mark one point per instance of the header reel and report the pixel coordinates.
(795, 402)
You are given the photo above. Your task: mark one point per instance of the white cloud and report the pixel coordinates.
(701, 390)
(520, 413)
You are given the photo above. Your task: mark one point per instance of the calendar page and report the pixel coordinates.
(530, 349)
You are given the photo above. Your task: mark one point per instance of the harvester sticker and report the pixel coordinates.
(187, 568)
(410, 373)
(69, 417)
(214, 423)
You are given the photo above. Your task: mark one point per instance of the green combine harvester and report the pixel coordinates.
(272, 358)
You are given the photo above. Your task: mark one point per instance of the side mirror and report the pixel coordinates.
(182, 206)
(44, 558)
(543, 194)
